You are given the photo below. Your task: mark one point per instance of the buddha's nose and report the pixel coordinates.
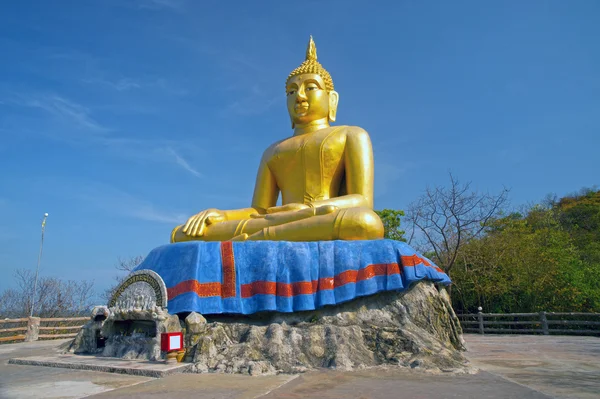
(301, 95)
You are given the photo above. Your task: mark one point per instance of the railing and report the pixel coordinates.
(37, 328)
(545, 323)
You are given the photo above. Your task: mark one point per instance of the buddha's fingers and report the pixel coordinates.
(287, 208)
(187, 224)
(190, 225)
(201, 229)
(289, 216)
(197, 225)
(325, 210)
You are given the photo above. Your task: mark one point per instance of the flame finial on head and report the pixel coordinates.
(311, 65)
(311, 50)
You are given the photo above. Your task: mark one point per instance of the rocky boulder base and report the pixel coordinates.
(414, 329)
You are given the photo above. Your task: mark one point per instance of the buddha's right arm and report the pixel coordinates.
(265, 194)
(266, 190)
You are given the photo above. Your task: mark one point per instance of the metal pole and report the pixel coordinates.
(480, 319)
(544, 322)
(37, 270)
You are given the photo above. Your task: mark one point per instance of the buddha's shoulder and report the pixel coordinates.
(272, 149)
(353, 131)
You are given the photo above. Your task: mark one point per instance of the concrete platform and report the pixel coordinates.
(533, 367)
(106, 364)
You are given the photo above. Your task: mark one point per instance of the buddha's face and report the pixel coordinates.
(308, 99)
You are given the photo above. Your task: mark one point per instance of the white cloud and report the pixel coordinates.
(113, 200)
(183, 163)
(63, 109)
(73, 115)
(176, 5)
(254, 104)
(122, 84)
(125, 84)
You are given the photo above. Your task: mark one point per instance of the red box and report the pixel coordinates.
(172, 341)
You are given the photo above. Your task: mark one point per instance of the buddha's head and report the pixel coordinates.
(310, 94)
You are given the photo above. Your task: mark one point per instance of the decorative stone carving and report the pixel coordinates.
(143, 289)
(131, 326)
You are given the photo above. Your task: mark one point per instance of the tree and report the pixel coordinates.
(124, 267)
(445, 219)
(391, 224)
(54, 297)
(525, 264)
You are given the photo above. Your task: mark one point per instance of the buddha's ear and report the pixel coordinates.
(334, 98)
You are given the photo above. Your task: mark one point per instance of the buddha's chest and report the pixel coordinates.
(313, 159)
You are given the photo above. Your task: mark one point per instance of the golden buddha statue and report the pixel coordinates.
(324, 174)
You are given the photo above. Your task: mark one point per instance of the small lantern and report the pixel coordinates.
(171, 342)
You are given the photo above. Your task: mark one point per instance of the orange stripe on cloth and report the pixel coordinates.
(279, 289)
(414, 260)
(311, 287)
(201, 289)
(228, 266)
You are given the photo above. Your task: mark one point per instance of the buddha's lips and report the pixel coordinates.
(301, 108)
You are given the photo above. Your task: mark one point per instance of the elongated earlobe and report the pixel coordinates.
(333, 104)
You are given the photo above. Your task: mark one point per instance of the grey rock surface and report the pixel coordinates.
(195, 323)
(86, 340)
(415, 329)
(100, 313)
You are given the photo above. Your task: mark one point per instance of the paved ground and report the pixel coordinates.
(513, 367)
(24, 382)
(560, 366)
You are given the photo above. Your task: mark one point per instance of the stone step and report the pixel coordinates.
(106, 364)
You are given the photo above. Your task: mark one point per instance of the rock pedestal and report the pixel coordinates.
(416, 329)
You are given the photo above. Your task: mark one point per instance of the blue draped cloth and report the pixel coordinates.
(254, 276)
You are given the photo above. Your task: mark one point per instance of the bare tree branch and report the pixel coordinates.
(123, 265)
(448, 218)
(54, 297)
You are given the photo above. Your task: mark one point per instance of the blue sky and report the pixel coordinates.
(122, 118)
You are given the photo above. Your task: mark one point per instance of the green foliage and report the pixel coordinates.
(391, 224)
(547, 259)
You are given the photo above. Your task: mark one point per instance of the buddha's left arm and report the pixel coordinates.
(359, 169)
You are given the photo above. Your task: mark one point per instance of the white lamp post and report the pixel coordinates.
(37, 271)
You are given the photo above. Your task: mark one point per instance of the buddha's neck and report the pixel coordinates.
(312, 126)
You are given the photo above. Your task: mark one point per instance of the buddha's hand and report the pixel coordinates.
(196, 224)
(287, 208)
(296, 207)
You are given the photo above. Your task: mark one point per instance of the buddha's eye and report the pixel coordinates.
(311, 88)
(291, 92)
